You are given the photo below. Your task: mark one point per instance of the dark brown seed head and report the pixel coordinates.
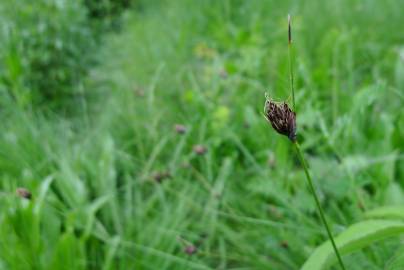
(161, 176)
(24, 193)
(282, 118)
(284, 244)
(180, 129)
(200, 149)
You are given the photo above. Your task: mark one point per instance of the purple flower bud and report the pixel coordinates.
(190, 249)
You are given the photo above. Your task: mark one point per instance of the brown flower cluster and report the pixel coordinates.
(281, 117)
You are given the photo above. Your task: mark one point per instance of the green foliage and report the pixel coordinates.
(397, 261)
(244, 203)
(44, 49)
(106, 8)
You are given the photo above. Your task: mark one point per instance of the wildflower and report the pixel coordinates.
(282, 118)
(190, 249)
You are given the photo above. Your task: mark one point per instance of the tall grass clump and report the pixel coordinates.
(283, 120)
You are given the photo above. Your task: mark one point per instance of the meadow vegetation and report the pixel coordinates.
(138, 129)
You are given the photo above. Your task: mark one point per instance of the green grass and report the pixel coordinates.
(245, 203)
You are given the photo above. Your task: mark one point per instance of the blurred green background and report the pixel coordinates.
(95, 97)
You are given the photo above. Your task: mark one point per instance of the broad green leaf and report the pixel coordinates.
(390, 212)
(352, 239)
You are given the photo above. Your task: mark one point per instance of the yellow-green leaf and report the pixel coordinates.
(390, 212)
(357, 236)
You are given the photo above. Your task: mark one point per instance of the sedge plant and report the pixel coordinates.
(283, 120)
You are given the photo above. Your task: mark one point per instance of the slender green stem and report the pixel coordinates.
(320, 209)
(291, 76)
(299, 152)
(291, 62)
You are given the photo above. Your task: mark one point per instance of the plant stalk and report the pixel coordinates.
(320, 209)
(291, 63)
